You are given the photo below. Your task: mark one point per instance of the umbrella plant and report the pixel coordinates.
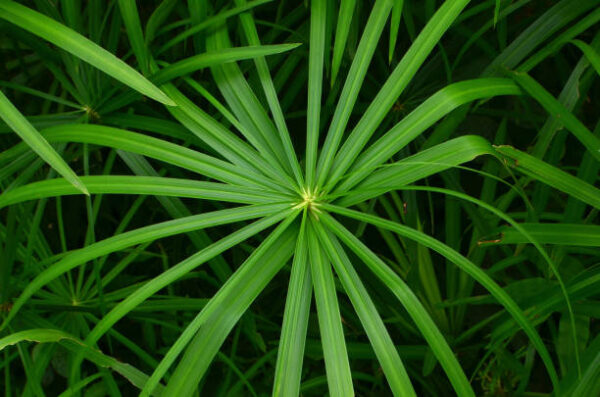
(254, 197)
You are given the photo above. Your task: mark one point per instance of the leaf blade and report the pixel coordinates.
(411, 303)
(377, 333)
(337, 367)
(467, 266)
(19, 124)
(71, 41)
(223, 311)
(290, 353)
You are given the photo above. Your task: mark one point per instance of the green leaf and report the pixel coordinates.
(209, 329)
(550, 233)
(19, 124)
(213, 58)
(389, 93)
(137, 236)
(222, 140)
(131, 19)
(588, 384)
(553, 266)
(467, 266)
(378, 335)
(136, 377)
(33, 335)
(424, 116)
(352, 85)
(337, 367)
(560, 14)
(71, 41)
(555, 108)
(151, 185)
(589, 53)
(290, 354)
(171, 275)
(154, 148)
(157, 18)
(497, 11)
(395, 27)
(567, 346)
(210, 22)
(258, 127)
(266, 81)
(421, 165)
(550, 175)
(344, 21)
(318, 21)
(555, 45)
(409, 301)
(72, 390)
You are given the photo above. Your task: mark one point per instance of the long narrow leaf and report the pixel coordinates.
(135, 376)
(224, 310)
(342, 29)
(225, 55)
(378, 335)
(137, 236)
(337, 366)
(290, 354)
(430, 111)
(71, 41)
(394, 86)
(551, 233)
(410, 302)
(158, 186)
(352, 85)
(266, 80)
(550, 175)
(318, 21)
(154, 148)
(467, 266)
(421, 165)
(19, 124)
(554, 107)
(589, 53)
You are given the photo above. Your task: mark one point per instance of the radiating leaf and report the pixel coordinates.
(423, 164)
(430, 111)
(470, 268)
(207, 332)
(378, 335)
(290, 353)
(410, 302)
(137, 236)
(225, 55)
(158, 186)
(337, 367)
(352, 85)
(344, 21)
(389, 92)
(318, 20)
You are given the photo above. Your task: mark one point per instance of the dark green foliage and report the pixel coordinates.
(343, 197)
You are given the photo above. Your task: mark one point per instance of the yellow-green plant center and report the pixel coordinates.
(309, 199)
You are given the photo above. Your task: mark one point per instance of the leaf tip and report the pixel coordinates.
(169, 102)
(79, 185)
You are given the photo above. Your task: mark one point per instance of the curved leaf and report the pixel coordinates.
(71, 41)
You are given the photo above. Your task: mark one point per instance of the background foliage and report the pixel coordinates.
(254, 197)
